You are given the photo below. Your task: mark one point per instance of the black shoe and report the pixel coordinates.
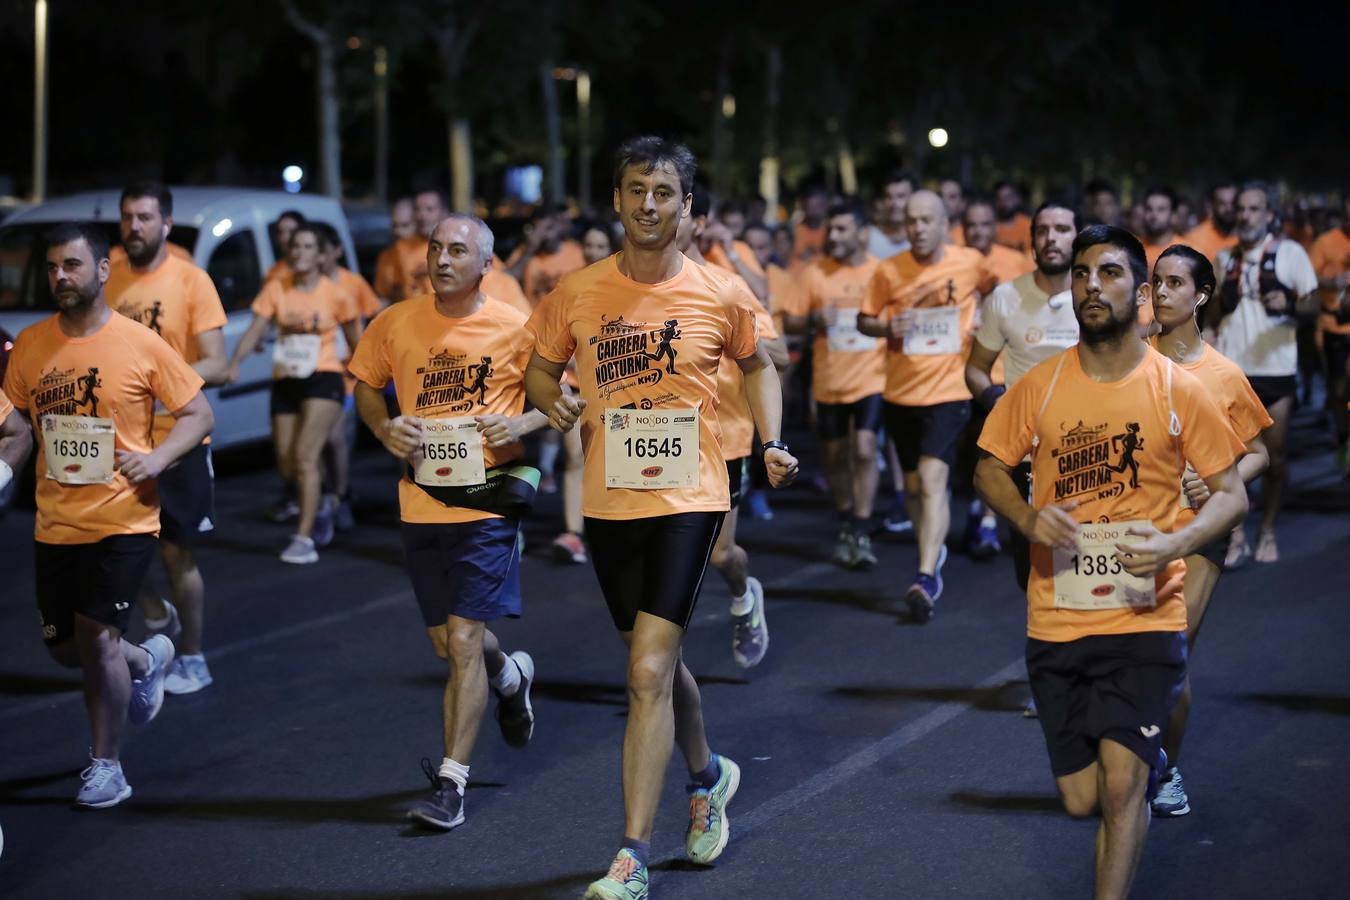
(444, 809)
(514, 713)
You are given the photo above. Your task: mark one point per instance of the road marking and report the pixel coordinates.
(241, 646)
(860, 761)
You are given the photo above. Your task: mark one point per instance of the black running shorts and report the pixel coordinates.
(1117, 686)
(289, 394)
(100, 581)
(833, 420)
(652, 565)
(1270, 389)
(187, 498)
(932, 431)
(736, 479)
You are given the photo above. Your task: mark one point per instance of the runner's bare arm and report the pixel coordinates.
(543, 390)
(248, 342)
(978, 366)
(1250, 465)
(499, 430)
(212, 364)
(764, 392)
(399, 435)
(1225, 508)
(192, 423)
(352, 332)
(16, 439)
(777, 351)
(1051, 525)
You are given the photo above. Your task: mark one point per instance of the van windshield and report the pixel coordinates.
(23, 263)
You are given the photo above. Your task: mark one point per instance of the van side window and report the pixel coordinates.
(234, 269)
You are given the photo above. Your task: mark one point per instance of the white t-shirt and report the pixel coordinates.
(1026, 324)
(881, 246)
(1264, 345)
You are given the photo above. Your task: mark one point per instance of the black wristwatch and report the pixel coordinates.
(773, 445)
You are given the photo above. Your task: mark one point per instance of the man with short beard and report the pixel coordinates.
(97, 506)
(178, 302)
(1159, 205)
(1106, 619)
(980, 229)
(1219, 231)
(886, 236)
(1266, 283)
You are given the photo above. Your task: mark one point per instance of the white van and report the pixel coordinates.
(226, 230)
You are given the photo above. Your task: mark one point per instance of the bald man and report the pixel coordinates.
(923, 302)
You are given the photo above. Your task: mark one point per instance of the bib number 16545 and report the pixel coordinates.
(652, 448)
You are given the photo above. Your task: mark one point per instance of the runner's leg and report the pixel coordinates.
(315, 422)
(466, 690)
(1277, 475)
(653, 657)
(934, 511)
(1201, 578)
(189, 594)
(1122, 782)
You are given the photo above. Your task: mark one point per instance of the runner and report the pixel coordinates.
(307, 390)
(953, 196)
(980, 229)
(886, 236)
(1106, 617)
(1183, 279)
(1266, 282)
(1160, 204)
(1102, 201)
(655, 487)
(749, 624)
(569, 547)
(177, 301)
(462, 555)
(1014, 227)
(387, 266)
(547, 254)
(848, 376)
(808, 235)
(16, 441)
(924, 302)
(97, 508)
(1330, 256)
(1219, 230)
(282, 229)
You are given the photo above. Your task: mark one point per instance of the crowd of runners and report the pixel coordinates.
(1109, 392)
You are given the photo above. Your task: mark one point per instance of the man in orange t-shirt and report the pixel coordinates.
(1330, 256)
(1014, 225)
(649, 327)
(1159, 205)
(923, 302)
(1110, 425)
(177, 301)
(457, 361)
(547, 254)
(808, 235)
(848, 375)
(1219, 230)
(401, 226)
(980, 229)
(953, 195)
(89, 381)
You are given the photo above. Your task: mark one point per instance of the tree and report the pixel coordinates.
(324, 39)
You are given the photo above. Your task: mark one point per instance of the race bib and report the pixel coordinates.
(451, 454)
(936, 331)
(1093, 578)
(78, 449)
(843, 335)
(296, 355)
(649, 449)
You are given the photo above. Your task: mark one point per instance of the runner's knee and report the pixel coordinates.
(650, 677)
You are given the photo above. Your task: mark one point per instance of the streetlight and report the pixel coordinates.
(937, 138)
(291, 176)
(39, 101)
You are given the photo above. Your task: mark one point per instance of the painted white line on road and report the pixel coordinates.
(860, 761)
(241, 646)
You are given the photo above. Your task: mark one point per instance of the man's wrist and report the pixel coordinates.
(774, 445)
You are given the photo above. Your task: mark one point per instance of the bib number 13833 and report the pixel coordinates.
(1094, 578)
(648, 449)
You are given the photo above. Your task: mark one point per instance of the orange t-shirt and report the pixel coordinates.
(1207, 239)
(366, 301)
(117, 254)
(410, 267)
(1153, 251)
(956, 235)
(318, 311)
(1330, 256)
(1015, 233)
(807, 242)
(903, 283)
(435, 363)
(837, 290)
(1107, 446)
(117, 373)
(177, 301)
(785, 296)
(544, 270)
(501, 285)
(280, 271)
(718, 257)
(734, 414)
(1005, 264)
(387, 278)
(650, 346)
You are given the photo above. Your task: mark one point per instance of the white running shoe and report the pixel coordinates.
(300, 551)
(187, 675)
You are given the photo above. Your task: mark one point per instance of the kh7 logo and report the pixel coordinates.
(651, 471)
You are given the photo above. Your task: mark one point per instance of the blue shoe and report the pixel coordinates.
(897, 517)
(759, 506)
(444, 808)
(147, 692)
(923, 594)
(1171, 800)
(985, 545)
(102, 785)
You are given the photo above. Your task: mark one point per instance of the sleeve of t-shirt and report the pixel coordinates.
(367, 303)
(387, 274)
(785, 294)
(344, 307)
(1298, 269)
(370, 361)
(1207, 439)
(205, 310)
(743, 332)
(172, 381)
(265, 304)
(879, 292)
(990, 333)
(1246, 412)
(809, 297)
(1010, 426)
(553, 338)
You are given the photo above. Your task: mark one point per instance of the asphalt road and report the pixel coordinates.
(880, 758)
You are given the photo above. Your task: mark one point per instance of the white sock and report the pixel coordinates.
(507, 681)
(741, 606)
(453, 771)
(989, 520)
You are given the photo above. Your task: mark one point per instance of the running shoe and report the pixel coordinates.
(626, 880)
(986, 544)
(324, 527)
(1266, 549)
(845, 547)
(864, 558)
(170, 626)
(300, 551)
(187, 675)
(569, 548)
(515, 716)
(444, 809)
(758, 503)
(897, 520)
(1171, 800)
(103, 785)
(709, 826)
(284, 510)
(342, 516)
(750, 632)
(923, 594)
(147, 692)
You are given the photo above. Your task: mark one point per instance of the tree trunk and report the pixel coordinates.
(461, 165)
(585, 202)
(557, 189)
(768, 163)
(721, 124)
(381, 175)
(330, 140)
